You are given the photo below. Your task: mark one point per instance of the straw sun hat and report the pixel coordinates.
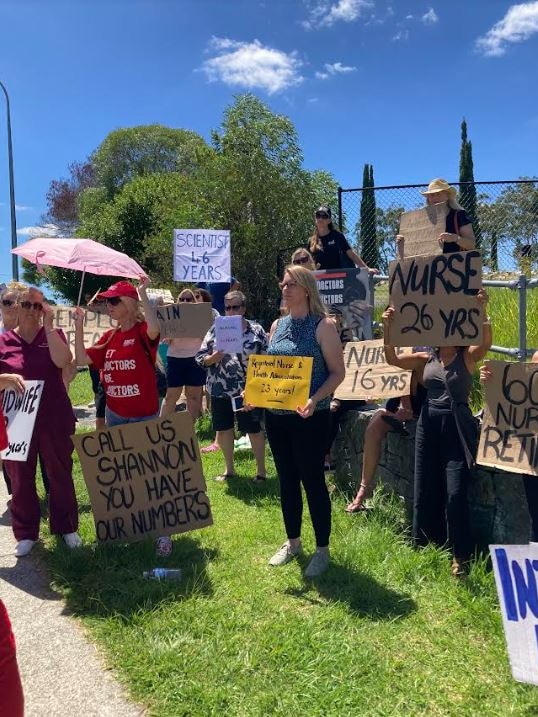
(440, 185)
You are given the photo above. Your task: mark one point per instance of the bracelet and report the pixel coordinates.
(363, 485)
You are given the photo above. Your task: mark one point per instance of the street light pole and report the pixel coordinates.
(15, 259)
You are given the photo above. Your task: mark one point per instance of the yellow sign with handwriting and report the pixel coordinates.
(278, 381)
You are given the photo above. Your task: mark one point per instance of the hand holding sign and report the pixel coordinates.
(11, 382)
(281, 382)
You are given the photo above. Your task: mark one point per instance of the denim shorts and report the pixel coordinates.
(113, 419)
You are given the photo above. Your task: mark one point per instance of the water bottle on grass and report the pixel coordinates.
(160, 574)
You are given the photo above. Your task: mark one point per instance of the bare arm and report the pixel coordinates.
(474, 354)
(81, 357)
(359, 261)
(59, 351)
(408, 362)
(465, 239)
(153, 330)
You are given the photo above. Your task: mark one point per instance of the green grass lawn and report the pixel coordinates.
(386, 631)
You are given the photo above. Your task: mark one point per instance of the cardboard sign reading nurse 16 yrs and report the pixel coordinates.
(20, 411)
(368, 375)
(509, 436)
(278, 381)
(144, 479)
(516, 579)
(435, 300)
(181, 321)
(421, 228)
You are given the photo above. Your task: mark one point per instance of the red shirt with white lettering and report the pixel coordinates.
(127, 372)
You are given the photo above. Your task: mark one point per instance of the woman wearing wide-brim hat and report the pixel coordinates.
(458, 234)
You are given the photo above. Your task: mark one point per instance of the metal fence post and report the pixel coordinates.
(522, 296)
(340, 220)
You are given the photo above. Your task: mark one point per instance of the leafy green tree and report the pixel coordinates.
(467, 186)
(387, 227)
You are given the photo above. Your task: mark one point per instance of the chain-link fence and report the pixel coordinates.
(504, 216)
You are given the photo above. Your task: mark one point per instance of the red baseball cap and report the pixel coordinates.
(120, 288)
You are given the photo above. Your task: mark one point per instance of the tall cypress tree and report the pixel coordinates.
(468, 191)
(368, 233)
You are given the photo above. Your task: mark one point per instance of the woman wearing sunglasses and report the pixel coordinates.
(302, 257)
(37, 351)
(329, 248)
(183, 371)
(226, 376)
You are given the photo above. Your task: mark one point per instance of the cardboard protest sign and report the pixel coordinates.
(509, 436)
(347, 294)
(435, 300)
(368, 375)
(421, 228)
(515, 569)
(202, 255)
(144, 479)
(178, 321)
(278, 381)
(229, 334)
(166, 295)
(20, 411)
(96, 323)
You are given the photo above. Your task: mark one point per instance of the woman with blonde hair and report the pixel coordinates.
(302, 257)
(298, 438)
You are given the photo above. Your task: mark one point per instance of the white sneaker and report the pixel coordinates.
(24, 547)
(285, 554)
(318, 564)
(72, 540)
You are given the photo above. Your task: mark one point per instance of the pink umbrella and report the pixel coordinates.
(83, 255)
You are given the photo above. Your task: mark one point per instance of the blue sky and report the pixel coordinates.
(362, 80)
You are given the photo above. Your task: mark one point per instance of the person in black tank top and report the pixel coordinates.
(458, 234)
(440, 510)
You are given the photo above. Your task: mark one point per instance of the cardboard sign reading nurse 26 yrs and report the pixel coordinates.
(516, 578)
(202, 255)
(20, 411)
(435, 300)
(278, 381)
(509, 435)
(368, 375)
(421, 228)
(144, 479)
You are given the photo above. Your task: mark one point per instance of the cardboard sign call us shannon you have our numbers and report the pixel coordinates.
(435, 300)
(144, 479)
(281, 382)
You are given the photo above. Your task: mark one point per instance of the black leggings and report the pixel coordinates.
(530, 483)
(440, 510)
(298, 446)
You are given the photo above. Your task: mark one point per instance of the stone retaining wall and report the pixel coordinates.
(496, 499)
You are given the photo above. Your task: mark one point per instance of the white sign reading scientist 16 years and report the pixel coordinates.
(202, 255)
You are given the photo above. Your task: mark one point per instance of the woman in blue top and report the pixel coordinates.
(298, 439)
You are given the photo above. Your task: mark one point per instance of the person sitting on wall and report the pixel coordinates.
(329, 247)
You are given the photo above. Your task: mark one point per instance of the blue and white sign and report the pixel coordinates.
(516, 577)
(202, 255)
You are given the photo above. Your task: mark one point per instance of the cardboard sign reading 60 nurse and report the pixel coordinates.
(278, 381)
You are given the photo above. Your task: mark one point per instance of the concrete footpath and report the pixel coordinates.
(62, 672)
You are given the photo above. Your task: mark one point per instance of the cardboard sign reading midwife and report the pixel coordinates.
(202, 255)
(229, 334)
(347, 293)
(435, 300)
(179, 321)
(20, 411)
(515, 568)
(368, 375)
(144, 479)
(421, 229)
(509, 436)
(95, 324)
(278, 381)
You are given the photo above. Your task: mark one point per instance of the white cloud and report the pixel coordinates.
(325, 14)
(430, 17)
(45, 230)
(519, 23)
(401, 36)
(251, 65)
(22, 208)
(336, 68)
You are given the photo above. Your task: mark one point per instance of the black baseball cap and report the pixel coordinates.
(324, 208)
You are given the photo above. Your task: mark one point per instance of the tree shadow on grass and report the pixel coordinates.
(359, 591)
(105, 580)
(257, 494)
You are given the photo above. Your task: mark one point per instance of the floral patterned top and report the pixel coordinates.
(228, 376)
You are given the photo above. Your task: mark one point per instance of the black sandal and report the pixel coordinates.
(259, 479)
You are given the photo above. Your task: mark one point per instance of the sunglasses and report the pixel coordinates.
(114, 300)
(8, 302)
(235, 307)
(301, 260)
(288, 284)
(36, 306)
(322, 215)
(187, 299)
